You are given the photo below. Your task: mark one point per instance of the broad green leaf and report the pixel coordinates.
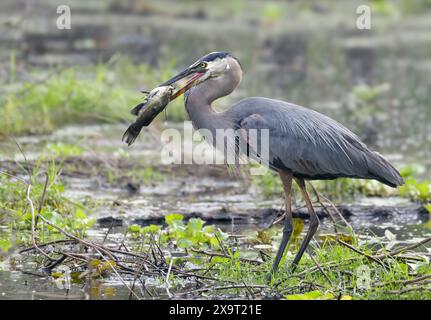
(152, 228)
(220, 259)
(184, 243)
(312, 295)
(134, 228)
(170, 218)
(195, 224)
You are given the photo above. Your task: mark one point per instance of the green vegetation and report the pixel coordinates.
(337, 267)
(62, 99)
(16, 214)
(414, 189)
(336, 271)
(103, 93)
(401, 7)
(191, 235)
(63, 150)
(272, 13)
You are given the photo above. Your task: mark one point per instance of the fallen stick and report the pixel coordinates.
(398, 251)
(221, 255)
(374, 259)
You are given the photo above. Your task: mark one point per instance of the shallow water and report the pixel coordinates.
(210, 194)
(290, 61)
(407, 229)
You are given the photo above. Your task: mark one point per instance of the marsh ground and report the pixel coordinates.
(64, 107)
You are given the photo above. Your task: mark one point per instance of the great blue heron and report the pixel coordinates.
(303, 144)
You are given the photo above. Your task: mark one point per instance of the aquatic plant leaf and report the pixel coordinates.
(220, 260)
(208, 229)
(109, 292)
(95, 262)
(134, 228)
(184, 243)
(298, 226)
(152, 228)
(174, 218)
(264, 237)
(109, 265)
(214, 243)
(76, 277)
(424, 190)
(409, 171)
(312, 295)
(195, 224)
(56, 275)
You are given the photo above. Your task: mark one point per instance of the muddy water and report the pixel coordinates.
(208, 192)
(293, 61)
(132, 184)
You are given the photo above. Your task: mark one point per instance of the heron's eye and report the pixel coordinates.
(203, 65)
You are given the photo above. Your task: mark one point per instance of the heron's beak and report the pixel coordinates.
(183, 81)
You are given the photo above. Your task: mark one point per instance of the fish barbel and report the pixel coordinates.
(146, 111)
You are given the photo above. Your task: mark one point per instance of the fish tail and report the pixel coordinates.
(132, 133)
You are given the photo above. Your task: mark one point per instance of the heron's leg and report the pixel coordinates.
(314, 223)
(286, 179)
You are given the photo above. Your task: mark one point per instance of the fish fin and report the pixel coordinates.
(131, 133)
(135, 110)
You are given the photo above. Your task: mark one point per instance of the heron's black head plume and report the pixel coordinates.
(214, 55)
(218, 55)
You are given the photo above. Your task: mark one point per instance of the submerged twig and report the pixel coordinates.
(168, 284)
(221, 255)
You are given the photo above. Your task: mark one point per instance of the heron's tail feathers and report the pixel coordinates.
(380, 169)
(132, 133)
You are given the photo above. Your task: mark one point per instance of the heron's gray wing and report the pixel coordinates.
(308, 143)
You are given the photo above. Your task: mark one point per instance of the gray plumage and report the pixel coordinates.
(310, 144)
(302, 141)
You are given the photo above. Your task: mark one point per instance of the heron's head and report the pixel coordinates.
(218, 66)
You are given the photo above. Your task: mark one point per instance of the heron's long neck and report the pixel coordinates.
(199, 99)
(201, 113)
